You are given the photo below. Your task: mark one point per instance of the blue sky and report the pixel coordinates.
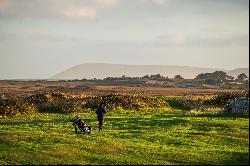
(39, 38)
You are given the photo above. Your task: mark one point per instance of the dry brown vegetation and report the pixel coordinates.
(77, 87)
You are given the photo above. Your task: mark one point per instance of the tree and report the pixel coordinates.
(156, 76)
(242, 77)
(201, 76)
(178, 77)
(146, 76)
(218, 76)
(211, 81)
(231, 78)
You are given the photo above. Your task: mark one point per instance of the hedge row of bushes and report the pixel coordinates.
(62, 103)
(15, 107)
(189, 102)
(133, 101)
(185, 102)
(221, 100)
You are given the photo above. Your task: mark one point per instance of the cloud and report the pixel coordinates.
(157, 2)
(179, 38)
(41, 36)
(3, 4)
(66, 9)
(202, 41)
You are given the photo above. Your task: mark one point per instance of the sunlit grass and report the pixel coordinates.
(153, 136)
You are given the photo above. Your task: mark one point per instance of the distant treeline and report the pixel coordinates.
(215, 78)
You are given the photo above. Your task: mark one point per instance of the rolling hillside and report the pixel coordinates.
(101, 70)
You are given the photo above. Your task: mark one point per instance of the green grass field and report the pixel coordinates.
(157, 136)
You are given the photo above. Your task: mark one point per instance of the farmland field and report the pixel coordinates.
(154, 136)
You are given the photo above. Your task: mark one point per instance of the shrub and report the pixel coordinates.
(15, 107)
(221, 100)
(61, 103)
(55, 102)
(133, 101)
(42, 98)
(61, 106)
(186, 102)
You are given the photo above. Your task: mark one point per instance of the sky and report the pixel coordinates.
(40, 38)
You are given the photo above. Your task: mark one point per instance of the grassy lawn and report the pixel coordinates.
(158, 136)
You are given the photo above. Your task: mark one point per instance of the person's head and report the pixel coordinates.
(101, 105)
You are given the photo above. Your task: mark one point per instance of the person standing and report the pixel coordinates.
(100, 115)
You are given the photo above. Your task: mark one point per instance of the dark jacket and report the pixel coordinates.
(100, 113)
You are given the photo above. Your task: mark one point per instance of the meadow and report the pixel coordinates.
(151, 136)
(167, 128)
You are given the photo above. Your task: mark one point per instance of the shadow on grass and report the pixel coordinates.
(209, 126)
(34, 122)
(134, 125)
(130, 123)
(237, 158)
(220, 115)
(143, 123)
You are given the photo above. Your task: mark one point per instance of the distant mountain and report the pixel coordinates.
(238, 71)
(101, 70)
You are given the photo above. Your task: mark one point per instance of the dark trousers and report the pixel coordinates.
(100, 124)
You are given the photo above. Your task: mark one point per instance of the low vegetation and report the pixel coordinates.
(66, 103)
(221, 100)
(15, 107)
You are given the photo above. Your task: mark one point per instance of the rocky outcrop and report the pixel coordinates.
(239, 105)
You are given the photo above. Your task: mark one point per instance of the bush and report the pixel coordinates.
(186, 102)
(43, 98)
(221, 100)
(56, 102)
(133, 101)
(15, 107)
(61, 103)
(61, 106)
(50, 108)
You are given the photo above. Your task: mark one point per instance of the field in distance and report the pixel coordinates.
(27, 88)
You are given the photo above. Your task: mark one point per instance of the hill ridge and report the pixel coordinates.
(103, 70)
